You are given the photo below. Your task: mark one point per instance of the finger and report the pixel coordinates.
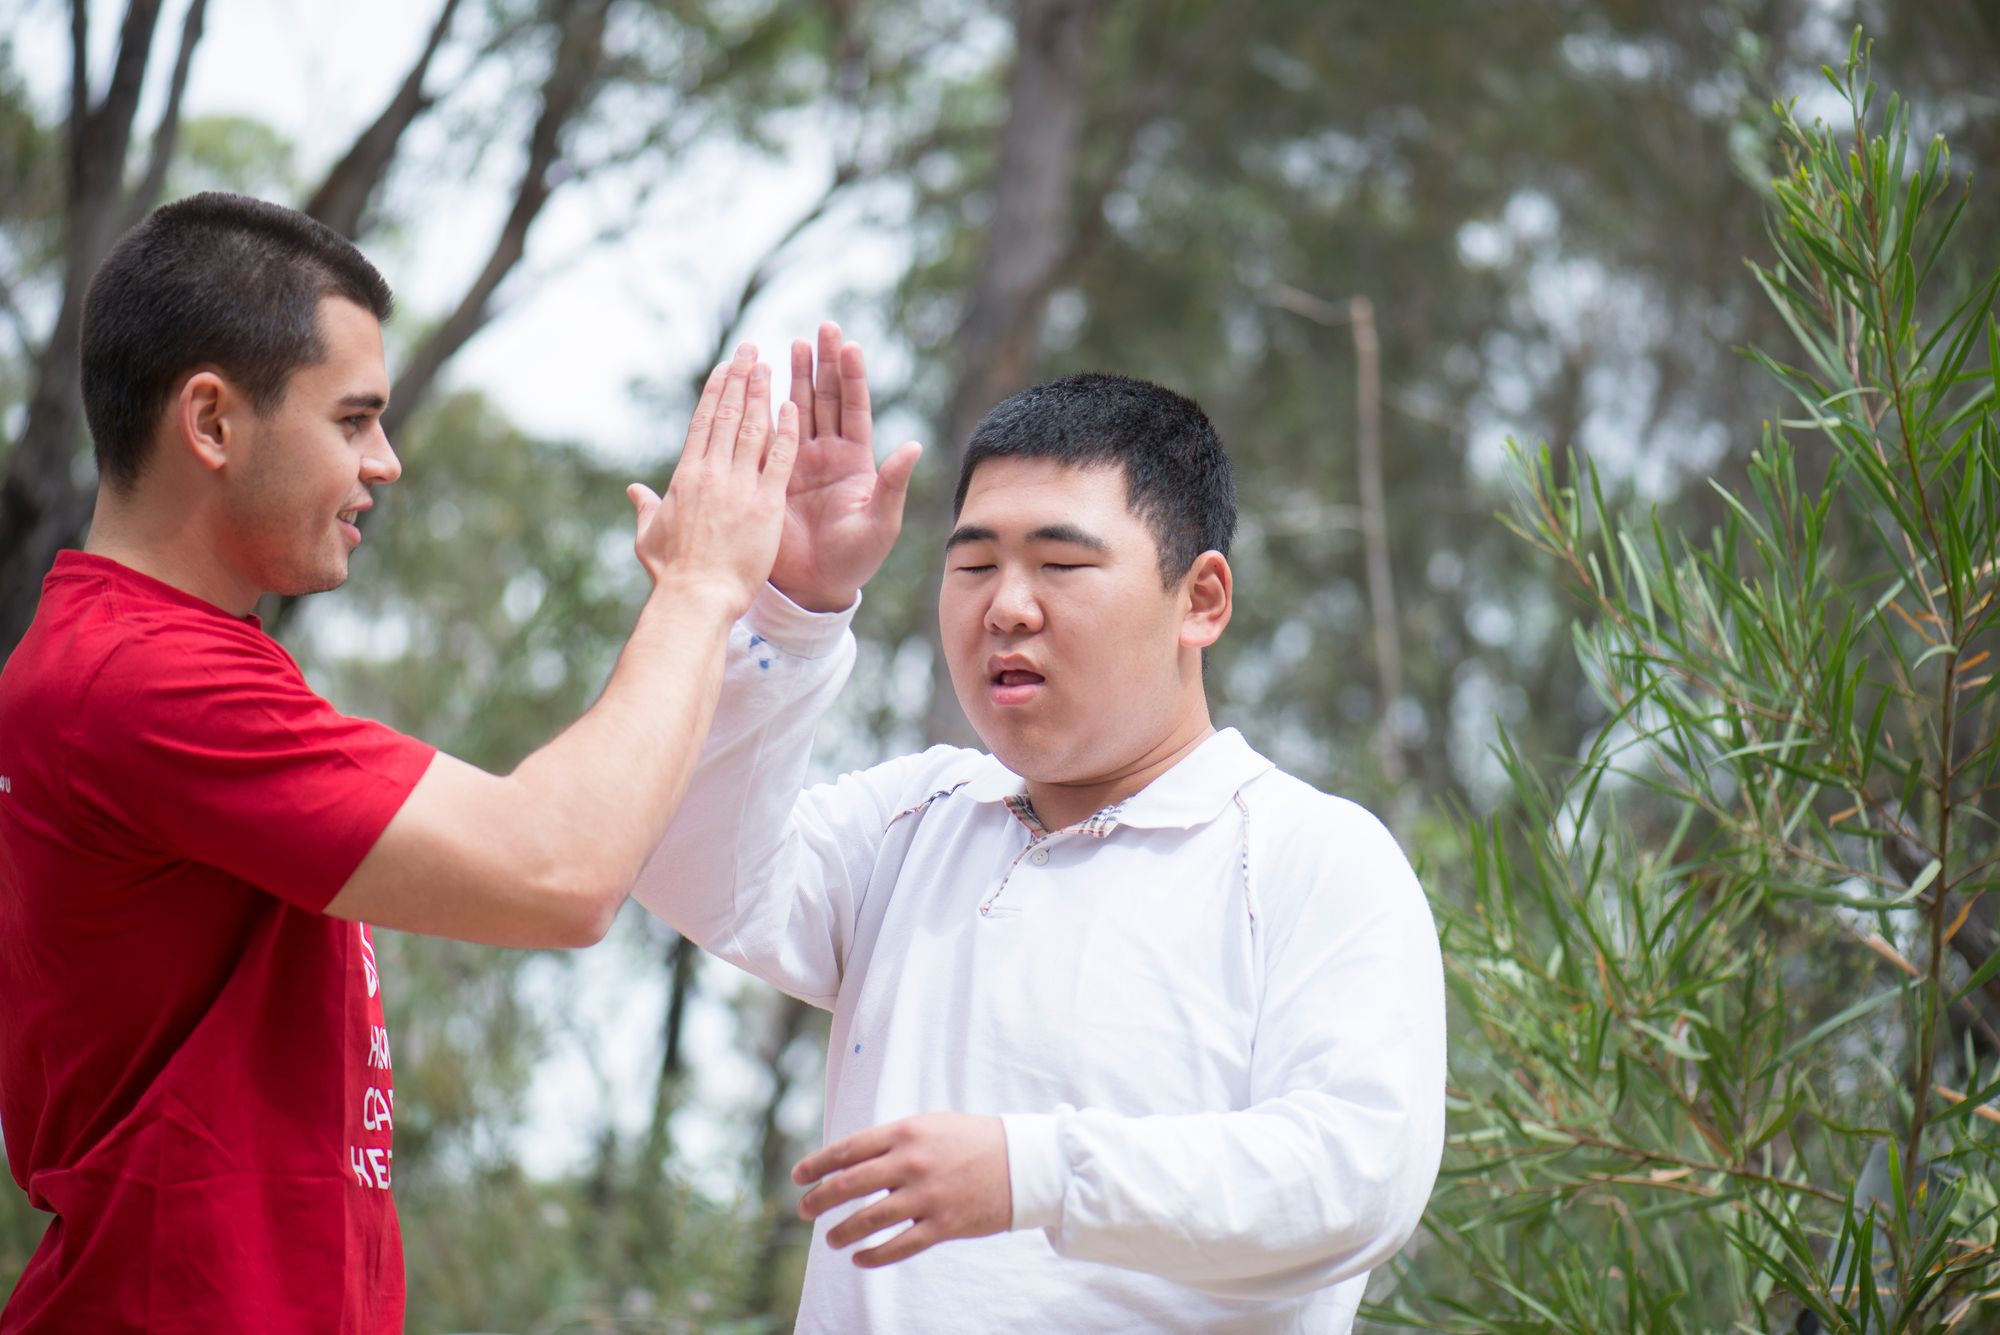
(843, 1154)
(826, 384)
(857, 419)
(729, 408)
(696, 444)
(784, 451)
(644, 499)
(849, 1184)
(892, 485)
(802, 384)
(756, 431)
(891, 1210)
(917, 1237)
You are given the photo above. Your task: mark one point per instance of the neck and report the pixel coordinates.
(1063, 804)
(157, 543)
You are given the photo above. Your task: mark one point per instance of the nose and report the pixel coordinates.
(1014, 609)
(379, 463)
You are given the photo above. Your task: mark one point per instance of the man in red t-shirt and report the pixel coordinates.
(195, 1080)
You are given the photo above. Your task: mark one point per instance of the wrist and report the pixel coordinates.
(797, 630)
(709, 599)
(1037, 1171)
(820, 599)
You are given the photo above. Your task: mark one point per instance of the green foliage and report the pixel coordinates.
(1725, 980)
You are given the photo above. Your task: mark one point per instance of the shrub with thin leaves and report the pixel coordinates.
(1728, 983)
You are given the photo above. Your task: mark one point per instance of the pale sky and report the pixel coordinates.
(581, 321)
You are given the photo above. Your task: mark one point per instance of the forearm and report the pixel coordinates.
(748, 867)
(1325, 1171)
(593, 802)
(1270, 1202)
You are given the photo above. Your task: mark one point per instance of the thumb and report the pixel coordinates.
(644, 499)
(892, 483)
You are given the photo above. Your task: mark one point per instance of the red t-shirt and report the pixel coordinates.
(194, 1073)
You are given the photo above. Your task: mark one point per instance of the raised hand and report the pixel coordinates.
(842, 514)
(717, 528)
(946, 1175)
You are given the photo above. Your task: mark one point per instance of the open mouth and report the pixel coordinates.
(1015, 686)
(350, 523)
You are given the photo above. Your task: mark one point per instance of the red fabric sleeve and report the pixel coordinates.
(218, 752)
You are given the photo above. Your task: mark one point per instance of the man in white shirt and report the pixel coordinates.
(1164, 1020)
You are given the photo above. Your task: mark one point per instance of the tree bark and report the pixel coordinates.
(1028, 239)
(44, 506)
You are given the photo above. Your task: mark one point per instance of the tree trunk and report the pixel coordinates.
(1028, 239)
(44, 506)
(774, 1156)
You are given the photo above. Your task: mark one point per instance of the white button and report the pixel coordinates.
(1040, 857)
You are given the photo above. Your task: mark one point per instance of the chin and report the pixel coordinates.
(299, 583)
(1037, 759)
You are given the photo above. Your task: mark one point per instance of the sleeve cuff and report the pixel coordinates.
(1036, 1171)
(798, 632)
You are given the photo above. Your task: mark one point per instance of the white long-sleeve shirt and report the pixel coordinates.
(1211, 1019)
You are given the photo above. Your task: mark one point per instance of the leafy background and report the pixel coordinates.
(1536, 213)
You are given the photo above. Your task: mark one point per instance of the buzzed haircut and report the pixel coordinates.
(1177, 478)
(211, 280)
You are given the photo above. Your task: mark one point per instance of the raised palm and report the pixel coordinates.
(842, 514)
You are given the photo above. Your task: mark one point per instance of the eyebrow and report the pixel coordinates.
(371, 401)
(1068, 533)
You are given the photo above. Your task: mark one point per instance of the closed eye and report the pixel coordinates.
(971, 570)
(1059, 565)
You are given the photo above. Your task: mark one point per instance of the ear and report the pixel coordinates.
(203, 420)
(1208, 587)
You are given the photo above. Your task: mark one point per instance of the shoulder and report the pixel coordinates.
(910, 784)
(167, 660)
(1313, 844)
(1293, 809)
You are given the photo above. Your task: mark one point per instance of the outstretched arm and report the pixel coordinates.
(752, 869)
(545, 855)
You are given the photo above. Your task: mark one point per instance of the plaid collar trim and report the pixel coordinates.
(1098, 825)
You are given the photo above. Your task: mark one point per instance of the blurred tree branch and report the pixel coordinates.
(341, 201)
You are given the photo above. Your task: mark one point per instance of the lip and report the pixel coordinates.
(1012, 694)
(350, 531)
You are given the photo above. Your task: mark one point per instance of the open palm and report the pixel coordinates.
(842, 513)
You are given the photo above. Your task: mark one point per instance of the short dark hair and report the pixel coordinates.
(1177, 478)
(213, 279)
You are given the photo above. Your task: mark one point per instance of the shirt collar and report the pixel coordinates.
(1192, 793)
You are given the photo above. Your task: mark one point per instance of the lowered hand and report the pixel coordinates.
(946, 1173)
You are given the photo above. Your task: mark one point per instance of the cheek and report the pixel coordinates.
(960, 614)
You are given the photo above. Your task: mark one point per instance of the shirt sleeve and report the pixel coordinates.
(218, 752)
(753, 869)
(1326, 1173)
